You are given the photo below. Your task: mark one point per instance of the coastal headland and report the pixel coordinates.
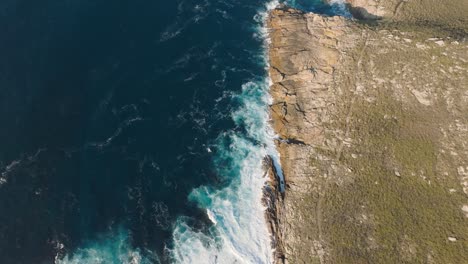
(372, 119)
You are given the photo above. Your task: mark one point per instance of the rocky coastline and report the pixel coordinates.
(303, 55)
(348, 111)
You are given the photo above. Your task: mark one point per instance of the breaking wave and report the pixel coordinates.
(239, 232)
(111, 249)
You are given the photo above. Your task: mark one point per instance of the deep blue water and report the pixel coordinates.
(126, 127)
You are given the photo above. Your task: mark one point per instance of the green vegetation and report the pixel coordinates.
(397, 207)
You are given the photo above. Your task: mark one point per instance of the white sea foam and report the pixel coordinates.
(211, 216)
(114, 249)
(239, 233)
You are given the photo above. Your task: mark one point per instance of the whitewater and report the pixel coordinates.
(239, 232)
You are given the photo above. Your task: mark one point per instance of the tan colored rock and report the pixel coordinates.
(304, 54)
(300, 71)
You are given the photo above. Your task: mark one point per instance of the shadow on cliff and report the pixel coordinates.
(361, 13)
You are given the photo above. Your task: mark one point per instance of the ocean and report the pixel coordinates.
(134, 131)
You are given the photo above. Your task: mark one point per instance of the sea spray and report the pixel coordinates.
(239, 232)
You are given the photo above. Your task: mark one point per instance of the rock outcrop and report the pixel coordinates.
(306, 49)
(273, 199)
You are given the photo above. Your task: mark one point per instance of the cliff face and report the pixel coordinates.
(306, 50)
(373, 125)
